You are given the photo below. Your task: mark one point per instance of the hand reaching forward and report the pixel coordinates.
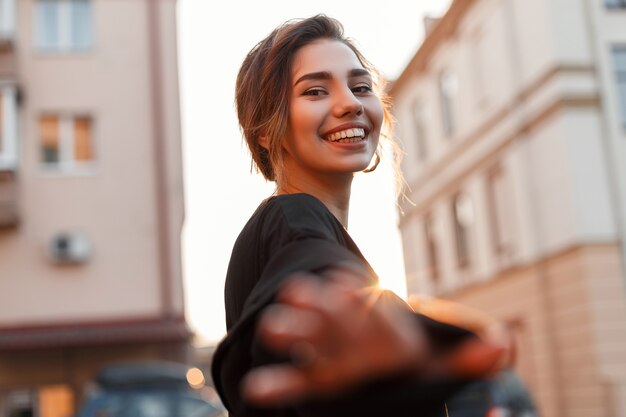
(341, 334)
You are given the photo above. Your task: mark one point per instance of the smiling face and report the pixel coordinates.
(334, 116)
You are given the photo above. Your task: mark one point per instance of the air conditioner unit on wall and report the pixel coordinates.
(69, 248)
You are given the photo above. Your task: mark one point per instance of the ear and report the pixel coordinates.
(263, 141)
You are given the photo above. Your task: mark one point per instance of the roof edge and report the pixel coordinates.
(443, 29)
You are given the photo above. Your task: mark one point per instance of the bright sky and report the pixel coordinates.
(221, 193)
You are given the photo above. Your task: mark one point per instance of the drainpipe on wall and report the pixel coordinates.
(160, 166)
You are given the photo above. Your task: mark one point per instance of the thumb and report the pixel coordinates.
(475, 358)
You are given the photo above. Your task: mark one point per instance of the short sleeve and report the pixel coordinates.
(277, 224)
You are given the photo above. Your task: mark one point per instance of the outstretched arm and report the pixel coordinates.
(341, 335)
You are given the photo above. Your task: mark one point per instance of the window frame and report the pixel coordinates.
(432, 250)
(501, 209)
(619, 78)
(7, 19)
(67, 164)
(419, 129)
(66, 42)
(620, 4)
(461, 232)
(446, 82)
(499, 245)
(35, 398)
(9, 137)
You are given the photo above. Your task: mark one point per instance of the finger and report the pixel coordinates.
(350, 274)
(274, 385)
(322, 313)
(329, 298)
(281, 326)
(307, 291)
(301, 290)
(475, 358)
(497, 334)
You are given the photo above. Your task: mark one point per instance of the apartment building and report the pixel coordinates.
(91, 196)
(513, 117)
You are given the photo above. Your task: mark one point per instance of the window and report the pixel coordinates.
(498, 203)
(420, 130)
(477, 63)
(7, 19)
(463, 215)
(66, 142)
(2, 117)
(45, 401)
(448, 86)
(55, 401)
(19, 403)
(615, 3)
(431, 249)
(619, 60)
(63, 25)
(8, 126)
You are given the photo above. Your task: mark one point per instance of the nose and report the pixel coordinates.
(347, 104)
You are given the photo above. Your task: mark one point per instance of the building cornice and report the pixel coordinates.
(531, 123)
(94, 333)
(160, 171)
(444, 29)
(545, 261)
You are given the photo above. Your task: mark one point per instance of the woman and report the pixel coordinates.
(308, 332)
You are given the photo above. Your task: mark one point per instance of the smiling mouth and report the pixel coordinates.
(347, 135)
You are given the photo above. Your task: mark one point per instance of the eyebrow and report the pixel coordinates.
(325, 75)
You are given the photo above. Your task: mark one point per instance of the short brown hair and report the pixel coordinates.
(263, 85)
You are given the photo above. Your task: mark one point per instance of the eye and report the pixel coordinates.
(362, 89)
(314, 92)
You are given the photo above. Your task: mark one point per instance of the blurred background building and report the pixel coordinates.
(513, 117)
(91, 195)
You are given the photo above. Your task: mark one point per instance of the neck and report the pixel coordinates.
(333, 191)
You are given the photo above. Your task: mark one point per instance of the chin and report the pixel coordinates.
(356, 166)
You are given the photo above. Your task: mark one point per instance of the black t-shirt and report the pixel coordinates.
(287, 234)
(278, 228)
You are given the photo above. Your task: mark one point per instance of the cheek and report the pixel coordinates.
(297, 139)
(376, 114)
(303, 119)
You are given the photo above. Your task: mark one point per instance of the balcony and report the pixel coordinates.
(7, 25)
(8, 155)
(9, 215)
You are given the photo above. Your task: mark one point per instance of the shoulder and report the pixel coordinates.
(303, 214)
(290, 217)
(298, 208)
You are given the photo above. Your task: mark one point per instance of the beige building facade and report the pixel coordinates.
(513, 117)
(91, 195)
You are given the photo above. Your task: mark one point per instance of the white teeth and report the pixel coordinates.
(351, 135)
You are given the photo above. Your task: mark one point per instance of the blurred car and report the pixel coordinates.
(503, 395)
(152, 389)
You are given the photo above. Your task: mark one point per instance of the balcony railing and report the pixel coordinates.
(7, 23)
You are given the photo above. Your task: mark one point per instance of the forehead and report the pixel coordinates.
(324, 55)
